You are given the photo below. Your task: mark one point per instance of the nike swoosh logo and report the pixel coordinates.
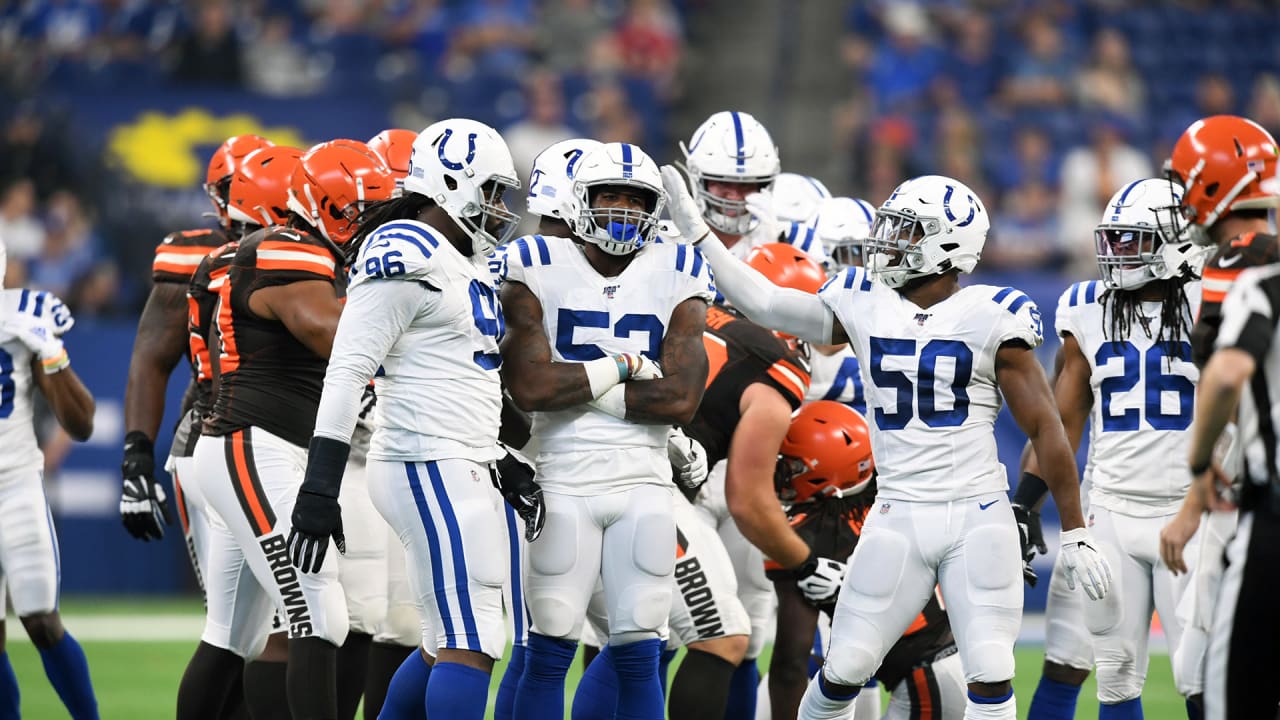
(1228, 262)
(984, 507)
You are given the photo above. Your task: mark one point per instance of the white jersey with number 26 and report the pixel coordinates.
(929, 376)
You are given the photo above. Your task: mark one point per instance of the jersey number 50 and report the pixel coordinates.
(926, 372)
(1148, 366)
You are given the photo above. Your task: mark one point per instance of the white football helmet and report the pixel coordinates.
(842, 225)
(796, 197)
(1137, 237)
(929, 225)
(730, 147)
(617, 231)
(551, 179)
(452, 161)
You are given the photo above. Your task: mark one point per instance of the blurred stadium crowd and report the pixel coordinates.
(1046, 108)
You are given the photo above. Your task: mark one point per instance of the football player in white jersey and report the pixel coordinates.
(732, 163)
(585, 316)
(840, 226)
(32, 357)
(937, 359)
(1125, 367)
(421, 305)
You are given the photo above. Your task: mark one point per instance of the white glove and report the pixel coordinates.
(820, 579)
(688, 458)
(639, 367)
(682, 207)
(1081, 559)
(39, 337)
(760, 204)
(40, 306)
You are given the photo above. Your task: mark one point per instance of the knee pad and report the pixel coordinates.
(1117, 684)
(850, 664)
(401, 625)
(646, 609)
(988, 661)
(556, 617)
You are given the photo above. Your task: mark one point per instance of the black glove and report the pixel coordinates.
(316, 514)
(819, 579)
(1031, 536)
(515, 482)
(144, 509)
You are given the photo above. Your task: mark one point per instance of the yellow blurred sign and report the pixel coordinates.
(160, 149)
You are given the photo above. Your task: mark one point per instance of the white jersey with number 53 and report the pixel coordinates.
(929, 375)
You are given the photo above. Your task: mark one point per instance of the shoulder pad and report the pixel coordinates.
(1081, 293)
(1026, 323)
(689, 260)
(289, 250)
(178, 255)
(851, 278)
(529, 251)
(398, 249)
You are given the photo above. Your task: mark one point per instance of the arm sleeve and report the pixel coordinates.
(791, 311)
(375, 316)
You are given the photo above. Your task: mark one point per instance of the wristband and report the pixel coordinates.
(326, 461)
(604, 373)
(1200, 468)
(613, 402)
(1031, 489)
(57, 363)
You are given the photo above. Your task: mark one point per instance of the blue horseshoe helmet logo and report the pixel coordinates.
(471, 151)
(946, 207)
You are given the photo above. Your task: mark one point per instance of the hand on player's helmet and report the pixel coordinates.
(1081, 559)
(760, 205)
(522, 492)
(682, 207)
(315, 519)
(688, 459)
(144, 509)
(633, 366)
(819, 578)
(1031, 535)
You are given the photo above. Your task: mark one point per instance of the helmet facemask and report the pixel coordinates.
(618, 230)
(894, 254)
(724, 214)
(488, 223)
(844, 252)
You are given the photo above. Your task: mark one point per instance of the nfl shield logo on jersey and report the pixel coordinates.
(884, 509)
(920, 318)
(610, 291)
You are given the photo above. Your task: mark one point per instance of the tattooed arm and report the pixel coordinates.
(674, 398)
(534, 380)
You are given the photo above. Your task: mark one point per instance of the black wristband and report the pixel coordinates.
(326, 461)
(1199, 469)
(1030, 491)
(137, 442)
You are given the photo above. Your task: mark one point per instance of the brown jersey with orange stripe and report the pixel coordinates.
(741, 353)
(267, 377)
(831, 527)
(180, 253)
(202, 302)
(1233, 256)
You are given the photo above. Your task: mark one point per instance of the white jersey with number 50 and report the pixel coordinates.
(929, 375)
(588, 316)
(1143, 396)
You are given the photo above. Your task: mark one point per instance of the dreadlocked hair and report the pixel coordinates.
(405, 207)
(1125, 306)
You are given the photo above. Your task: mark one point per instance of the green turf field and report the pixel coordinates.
(139, 679)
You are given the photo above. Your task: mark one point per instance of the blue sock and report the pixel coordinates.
(504, 707)
(984, 700)
(1128, 710)
(407, 693)
(829, 694)
(597, 694)
(1194, 711)
(9, 707)
(815, 654)
(742, 691)
(1053, 700)
(457, 691)
(68, 672)
(639, 691)
(541, 692)
(664, 666)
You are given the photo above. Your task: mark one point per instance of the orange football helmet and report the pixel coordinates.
(787, 266)
(259, 190)
(395, 147)
(332, 184)
(1222, 162)
(223, 163)
(827, 451)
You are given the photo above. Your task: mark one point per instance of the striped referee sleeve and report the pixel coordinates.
(1250, 311)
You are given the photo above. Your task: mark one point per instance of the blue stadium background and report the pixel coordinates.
(109, 110)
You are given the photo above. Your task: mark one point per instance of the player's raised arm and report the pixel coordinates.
(535, 381)
(791, 311)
